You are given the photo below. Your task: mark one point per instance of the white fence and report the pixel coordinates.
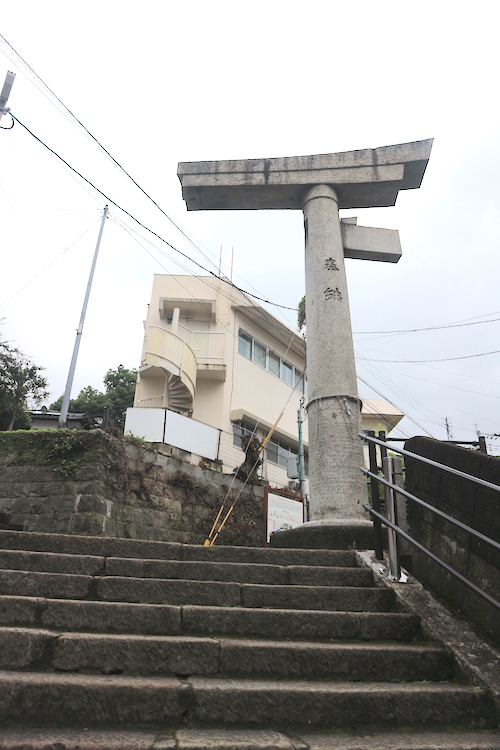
(165, 426)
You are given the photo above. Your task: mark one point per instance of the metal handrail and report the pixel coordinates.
(438, 512)
(434, 557)
(391, 523)
(449, 469)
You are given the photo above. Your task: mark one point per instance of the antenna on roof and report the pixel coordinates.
(4, 96)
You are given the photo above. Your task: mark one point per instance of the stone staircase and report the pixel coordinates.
(114, 644)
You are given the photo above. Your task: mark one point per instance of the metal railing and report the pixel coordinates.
(208, 346)
(154, 402)
(390, 519)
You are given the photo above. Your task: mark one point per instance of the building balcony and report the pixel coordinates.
(178, 360)
(208, 348)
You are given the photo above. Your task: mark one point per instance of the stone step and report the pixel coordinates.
(50, 562)
(243, 739)
(180, 591)
(324, 704)
(167, 619)
(161, 591)
(66, 700)
(289, 623)
(22, 648)
(405, 740)
(51, 585)
(240, 572)
(137, 548)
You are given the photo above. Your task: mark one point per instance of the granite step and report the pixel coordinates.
(167, 619)
(55, 700)
(180, 591)
(317, 575)
(23, 648)
(50, 562)
(163, 591)
(186, 646)
(243, 739)
(143, 549)
(326, 704)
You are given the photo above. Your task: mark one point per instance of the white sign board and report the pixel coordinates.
(283, 512)
(191, 435)
(165, 426)
(147, 424)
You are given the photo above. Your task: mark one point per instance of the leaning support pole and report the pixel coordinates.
(63, 416)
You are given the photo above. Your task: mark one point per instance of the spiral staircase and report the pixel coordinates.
(178, 396)
(169, 361)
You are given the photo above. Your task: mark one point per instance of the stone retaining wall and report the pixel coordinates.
(467, 502)
(78, 482)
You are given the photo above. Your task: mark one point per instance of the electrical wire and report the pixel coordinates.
(5, 302)
(140, 223)
(429, 328)
(207, 281)
(420, 361)
(104, 149)
(447, 385)
(416, 405)
(393, 404)
(80, 124)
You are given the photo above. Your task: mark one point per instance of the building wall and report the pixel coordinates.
(249, 393)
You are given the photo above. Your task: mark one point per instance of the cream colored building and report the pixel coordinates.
(211, 353)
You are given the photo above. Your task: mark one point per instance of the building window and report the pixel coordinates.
(274, 363)
(287, 373)
(270, 361)
(259, 354)
(278, 452)
(239, 430)
(245, 345)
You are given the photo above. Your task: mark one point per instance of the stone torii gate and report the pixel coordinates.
(321, 185)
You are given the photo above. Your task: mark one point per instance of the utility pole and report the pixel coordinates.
(4, 96)
(63, 416)
(449, 428)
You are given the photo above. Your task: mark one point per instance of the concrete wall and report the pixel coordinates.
(83, 482)
(465, 501)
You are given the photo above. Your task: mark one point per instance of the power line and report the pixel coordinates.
(393, 404)
(66, 111)
(131, 216)
(454, 387)
(420, 361)
(430, 328)
(5, 302)
(207, 281)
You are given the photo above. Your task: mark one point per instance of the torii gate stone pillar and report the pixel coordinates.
(321, 185)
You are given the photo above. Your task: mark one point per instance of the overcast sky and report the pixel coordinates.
(161, 82)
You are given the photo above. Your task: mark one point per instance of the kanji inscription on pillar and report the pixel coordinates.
(331, 265)
(333, 294)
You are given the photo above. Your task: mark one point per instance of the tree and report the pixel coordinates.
(119, 394)
(89, 401)
(120, 390)
(20, 380)
(301, 314)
